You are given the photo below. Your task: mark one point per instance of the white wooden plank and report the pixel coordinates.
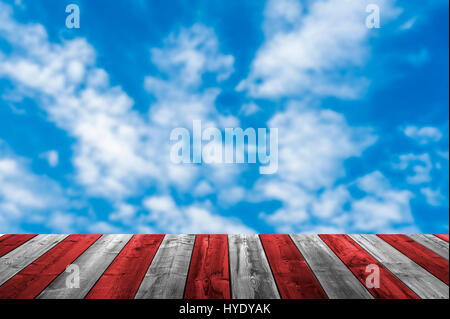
(433, 243)
(250, 273)
(424, 284)
(336, 279)
(167, 274)
(92, 264)
(19, 258)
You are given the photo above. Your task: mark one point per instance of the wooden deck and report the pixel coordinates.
(224, 266)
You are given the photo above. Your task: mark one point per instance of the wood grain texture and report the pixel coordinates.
(29, 282)
(24, 255)
(424, 284)
(433, 243)
(123, 277)
(167, 275)
(357, 260)
(443, 237)
(11, 242)
(208, 276)
(92, 264)
(294, 278)
(336, 279)
(251, 276)
(422, 256)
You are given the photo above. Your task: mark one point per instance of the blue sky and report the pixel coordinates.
(86, 115)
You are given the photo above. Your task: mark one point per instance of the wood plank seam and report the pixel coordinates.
(105, 270)
(34, 278)
(420, 281)
(329, 269)
(293, 276)
(443, 237)
(431, 262)
(170, 264)
(394, 289)
(189, 267)
(17, 260)
(14, 242)
(271, 271)
(57, 289)
(433, 243)
(119, 281)
(309, 266)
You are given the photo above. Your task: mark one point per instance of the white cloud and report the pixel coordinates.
(383, 208)
(306, 53)
(124, 213)
(232, 195)
(111, 153)
(203, 189)
(167, 215)
(433, 197)
(51, 157)
(444, 155)
(313, 145)
(191, 53)
(62, 222)
(331, 202)
(421, 169)
(409, 24)
(423, 135)
(103, 228)
(429, 172)
(118, 152)
(249, 109)
(24, 196)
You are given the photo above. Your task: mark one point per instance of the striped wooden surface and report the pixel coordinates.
(224, 266)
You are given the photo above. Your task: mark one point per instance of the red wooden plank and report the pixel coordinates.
(123, 277)
(29, 282)
(357, 259)
(11, 242)
(442, 236)
(422, 256)
(209, 276)
(290, 270)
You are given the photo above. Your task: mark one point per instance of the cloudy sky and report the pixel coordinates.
(86, 115)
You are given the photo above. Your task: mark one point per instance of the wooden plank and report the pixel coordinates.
(424, 284)
(92, 264)
(443, 237)
(294, 278)
(251, 277)
(433, 243)
(336, 279)
(208, 276)
(24, 255)
(357, 260)
(28, 283)
(422, 256)
(123, 277)
(11, 242)
(167, 275)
